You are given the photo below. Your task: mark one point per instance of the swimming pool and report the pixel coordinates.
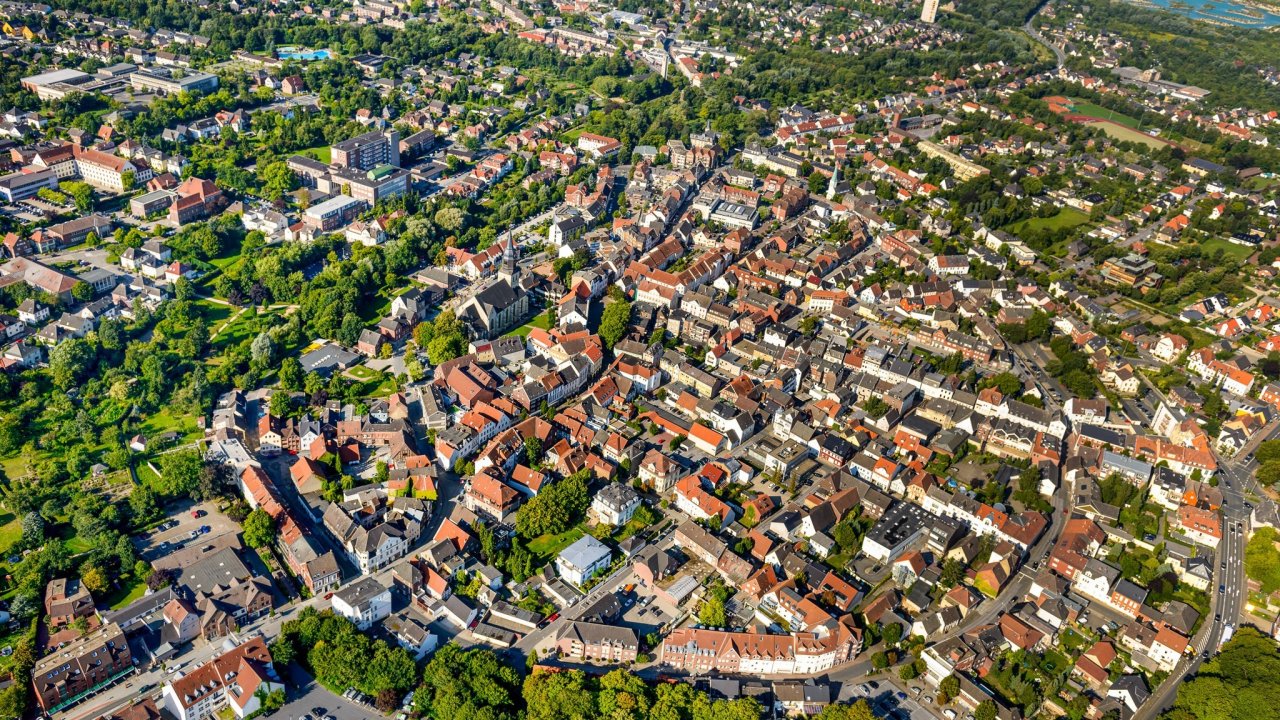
(292, 53)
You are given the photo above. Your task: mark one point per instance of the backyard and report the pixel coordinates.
(546, 547)
(541, 321)
(1066, 218)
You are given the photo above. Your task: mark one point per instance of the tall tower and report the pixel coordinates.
(929, 12)
(834, 182)
(508, 269)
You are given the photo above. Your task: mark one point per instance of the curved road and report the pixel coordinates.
(1035, 35)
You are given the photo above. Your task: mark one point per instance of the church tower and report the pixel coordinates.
(508, 269)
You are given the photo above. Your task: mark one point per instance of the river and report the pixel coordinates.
(1221, 12)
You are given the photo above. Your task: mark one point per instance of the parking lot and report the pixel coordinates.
(307, 696)
(887, 700)
(176, 532)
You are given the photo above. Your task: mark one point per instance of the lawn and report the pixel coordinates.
(1236, 252)
(123, 596)
(1067, 217)
(245, 327)
(1088, 109)
(320, 152)
(10, 529)
(548, 546)
(542, 321)
(362, 373)
(1128, 134)
(147, 476)
(165, 421)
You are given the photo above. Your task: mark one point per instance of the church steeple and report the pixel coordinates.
(835, 181)
(509, 268)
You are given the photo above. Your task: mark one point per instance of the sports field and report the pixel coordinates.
(1127, 134)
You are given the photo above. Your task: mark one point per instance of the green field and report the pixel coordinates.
(548, 546)
(1230, 249)
(10, 529)
(166, 421)
(362, 373)
(320, 152)
(542, 320)
(125, 595)
(1080, 107)
(1127, 134)
(245, 327)
(1067, 217)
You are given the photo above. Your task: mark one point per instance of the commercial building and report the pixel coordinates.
(370, 186)
(363, 602)
(594, 641)
(237, 679)
(22, 185)
(332, 213)
(167, 83)
(901, 525)
(750, 653)
(81, 666)
(56, 84)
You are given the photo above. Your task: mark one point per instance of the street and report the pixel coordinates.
(1228, 598)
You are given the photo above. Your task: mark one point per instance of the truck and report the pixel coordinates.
(1227, 632)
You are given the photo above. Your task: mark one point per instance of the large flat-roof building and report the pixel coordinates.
(366, 152)
(332, 213)
(22, 185)
(171, 84)
(56, 84)
(901, 525)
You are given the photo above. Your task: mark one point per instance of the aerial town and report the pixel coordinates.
(688, 359)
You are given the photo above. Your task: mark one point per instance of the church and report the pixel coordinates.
(502, 304)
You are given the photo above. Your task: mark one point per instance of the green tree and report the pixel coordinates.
(460, 683)
(556, 508)
(291, 376)
(1268, 451)
(70, 361)
(712, 612)
(1269, 473)
(614, 321)
(179, 473)
(949, 688)
(259, 529)
(558, 696)
(891, 634)
(986, 710)
(855, 711)
(82, 291)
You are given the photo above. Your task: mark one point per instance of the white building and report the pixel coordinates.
(363, 602)
(237, 679)
(615, 504)
(584, 558)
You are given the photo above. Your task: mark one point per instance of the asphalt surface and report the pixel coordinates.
(1229, 591)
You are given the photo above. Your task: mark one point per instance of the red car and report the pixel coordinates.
(328, 595)
(197, 513)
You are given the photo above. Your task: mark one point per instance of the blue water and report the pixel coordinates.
(289, 53)
(1223, 11)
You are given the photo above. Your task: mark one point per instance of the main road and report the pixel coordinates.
(1228, 593)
